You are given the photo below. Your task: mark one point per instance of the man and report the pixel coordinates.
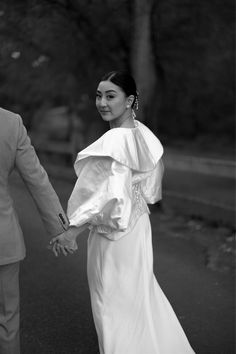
(17, 152)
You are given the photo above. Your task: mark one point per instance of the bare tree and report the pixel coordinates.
(142, 58)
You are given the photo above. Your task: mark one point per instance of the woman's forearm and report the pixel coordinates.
(74, 231)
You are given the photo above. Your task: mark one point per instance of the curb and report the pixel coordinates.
(208, 166)
(215, 212)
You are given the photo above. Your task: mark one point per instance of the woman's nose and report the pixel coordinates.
(103, 102)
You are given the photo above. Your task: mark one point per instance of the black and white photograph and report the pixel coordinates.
(117, 177)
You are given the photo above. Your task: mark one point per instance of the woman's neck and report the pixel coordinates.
(125, 121)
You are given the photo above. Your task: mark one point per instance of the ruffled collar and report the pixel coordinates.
(137, 148)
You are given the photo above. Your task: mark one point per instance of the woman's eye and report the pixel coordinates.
(110, 97)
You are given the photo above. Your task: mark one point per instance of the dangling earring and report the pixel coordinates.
(135, 106)
(133, 114)
(136, 102)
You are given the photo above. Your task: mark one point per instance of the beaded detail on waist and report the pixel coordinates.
(139, 205)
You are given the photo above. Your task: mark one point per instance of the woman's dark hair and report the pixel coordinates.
(125, 81)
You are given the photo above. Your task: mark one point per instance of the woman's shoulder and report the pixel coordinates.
(117, 138)
(137, 148)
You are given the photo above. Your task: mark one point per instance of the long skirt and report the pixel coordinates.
(130, 311)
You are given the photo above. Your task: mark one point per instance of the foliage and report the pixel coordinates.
(194, 47)
(53, 52)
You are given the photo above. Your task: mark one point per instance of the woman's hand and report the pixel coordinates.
(61, 244)
(66, 242)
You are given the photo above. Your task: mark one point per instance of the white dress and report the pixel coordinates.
(117, 176)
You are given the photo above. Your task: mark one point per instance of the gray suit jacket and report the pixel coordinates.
(17, 152)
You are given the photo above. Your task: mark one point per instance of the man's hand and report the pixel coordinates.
(65, 243)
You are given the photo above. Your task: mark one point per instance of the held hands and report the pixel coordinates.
(65, 243)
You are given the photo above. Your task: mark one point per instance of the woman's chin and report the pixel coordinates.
(106, 117)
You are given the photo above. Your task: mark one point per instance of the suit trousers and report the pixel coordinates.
(9, 309)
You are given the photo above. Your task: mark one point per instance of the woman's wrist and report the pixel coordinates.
(74, 231)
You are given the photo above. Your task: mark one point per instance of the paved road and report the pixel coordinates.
(55, 306)
(207, 196)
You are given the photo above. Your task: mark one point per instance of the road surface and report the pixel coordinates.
(197, 279)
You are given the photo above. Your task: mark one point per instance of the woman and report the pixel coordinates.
(117, 176)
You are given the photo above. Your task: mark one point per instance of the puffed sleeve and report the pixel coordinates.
(102, 194)
(152, 185)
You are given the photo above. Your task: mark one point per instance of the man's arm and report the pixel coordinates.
(37, 182)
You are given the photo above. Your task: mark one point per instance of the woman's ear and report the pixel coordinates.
(130, 100)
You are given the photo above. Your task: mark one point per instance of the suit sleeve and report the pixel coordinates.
(38, 184)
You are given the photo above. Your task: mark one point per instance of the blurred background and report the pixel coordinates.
(181, 53)
(53, 53)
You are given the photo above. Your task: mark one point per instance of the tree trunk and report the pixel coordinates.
(142, 61)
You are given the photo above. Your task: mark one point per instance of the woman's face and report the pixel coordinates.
(111, 101)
